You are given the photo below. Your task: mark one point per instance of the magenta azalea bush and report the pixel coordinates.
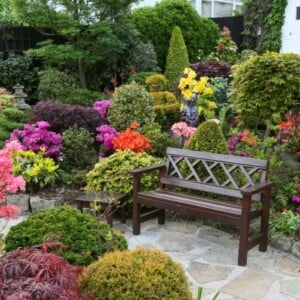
(105, 136)
(296, 196)
(37, 137)
(102, 108)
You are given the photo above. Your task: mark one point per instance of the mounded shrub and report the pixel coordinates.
(62, 116)
(208, 137)
(131, 103)
(156, 24)
(156, 83)
(110, 174)
(78, 150)
(35, 274)
(177, 58)
(83, 236)
(138, 274)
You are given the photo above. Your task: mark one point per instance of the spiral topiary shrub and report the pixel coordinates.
(131, 102)
(84, 237)
(138, 274)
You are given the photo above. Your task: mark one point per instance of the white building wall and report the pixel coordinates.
(291, 28)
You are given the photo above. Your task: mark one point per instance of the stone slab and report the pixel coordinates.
(251, 284)
(19, 199)
(288, 265)
(290, 288)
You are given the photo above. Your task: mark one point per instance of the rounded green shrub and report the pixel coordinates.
(78, 149)
(85, 238)
(110, 174)
(208, 138)
(131, 102)
(156, 83)
(139, 274)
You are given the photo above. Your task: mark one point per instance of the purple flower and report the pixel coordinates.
(296, 198)
(106, 135)
(36, 137)
(102, 107)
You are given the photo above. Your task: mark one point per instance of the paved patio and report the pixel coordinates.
(209, 257)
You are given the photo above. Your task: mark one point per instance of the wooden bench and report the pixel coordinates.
(242, 181)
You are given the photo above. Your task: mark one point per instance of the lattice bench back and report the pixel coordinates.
(213, 173)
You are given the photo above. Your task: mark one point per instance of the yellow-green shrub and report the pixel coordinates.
(156, 82)
(139, 274)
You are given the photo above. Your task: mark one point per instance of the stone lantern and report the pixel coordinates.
(20, 96)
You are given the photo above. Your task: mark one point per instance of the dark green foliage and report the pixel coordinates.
(140, 77)
(84, 236)
(78, 149)
(19, 69)
(156, 25)
(267, 17)
(10, 118)
(143, 58)
(208, 138)
(131, 102)
(62, 116)
(159, 140)
(264, 85)
(59, 86)
(148, 273)
(177, 58)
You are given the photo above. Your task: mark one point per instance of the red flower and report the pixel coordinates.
(285, 125)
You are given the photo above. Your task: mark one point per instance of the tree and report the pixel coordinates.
(156, 24)
(91, 30)
(177, 58)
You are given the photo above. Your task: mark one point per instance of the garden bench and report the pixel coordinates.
(227, 188)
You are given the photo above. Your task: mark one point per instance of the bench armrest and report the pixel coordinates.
(140, 171)
(256, 188)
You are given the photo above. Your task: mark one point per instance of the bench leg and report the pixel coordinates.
(244, 231)
(161, 217)
(136, 218)
(264, 225)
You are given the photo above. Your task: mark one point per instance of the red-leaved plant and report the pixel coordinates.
(132, 140)
(35, 274)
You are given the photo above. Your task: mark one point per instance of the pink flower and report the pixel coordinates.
(13, 146)
(296, 198)
(9, 211)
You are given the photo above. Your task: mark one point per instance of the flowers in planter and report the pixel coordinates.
(189, 84)
(181, 129)
(37, 136)
(289, 132)
(130, 139)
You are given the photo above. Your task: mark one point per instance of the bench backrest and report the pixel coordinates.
(213, 173)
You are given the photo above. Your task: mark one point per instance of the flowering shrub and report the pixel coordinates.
(236, 143)
(181, 129)
(8, 183)
(37, 170)
(189, 84)
(130, 139)
(289, 131)
(36, 137)
(105, 136)
(102, 108)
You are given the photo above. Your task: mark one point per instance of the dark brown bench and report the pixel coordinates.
(242, 181)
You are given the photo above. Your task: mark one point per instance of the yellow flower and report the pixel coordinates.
(208, 91)
(212, 105)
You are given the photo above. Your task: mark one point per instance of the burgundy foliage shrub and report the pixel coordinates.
(62, 116)
(211, 69)
(34, 274)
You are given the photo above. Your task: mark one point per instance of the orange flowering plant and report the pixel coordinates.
(131, 139)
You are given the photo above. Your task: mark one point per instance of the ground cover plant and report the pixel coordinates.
(85, 238)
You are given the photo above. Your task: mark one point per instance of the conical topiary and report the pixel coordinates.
(177, 58)
(208, 138)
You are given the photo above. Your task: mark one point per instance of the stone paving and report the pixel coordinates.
(209, 257)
